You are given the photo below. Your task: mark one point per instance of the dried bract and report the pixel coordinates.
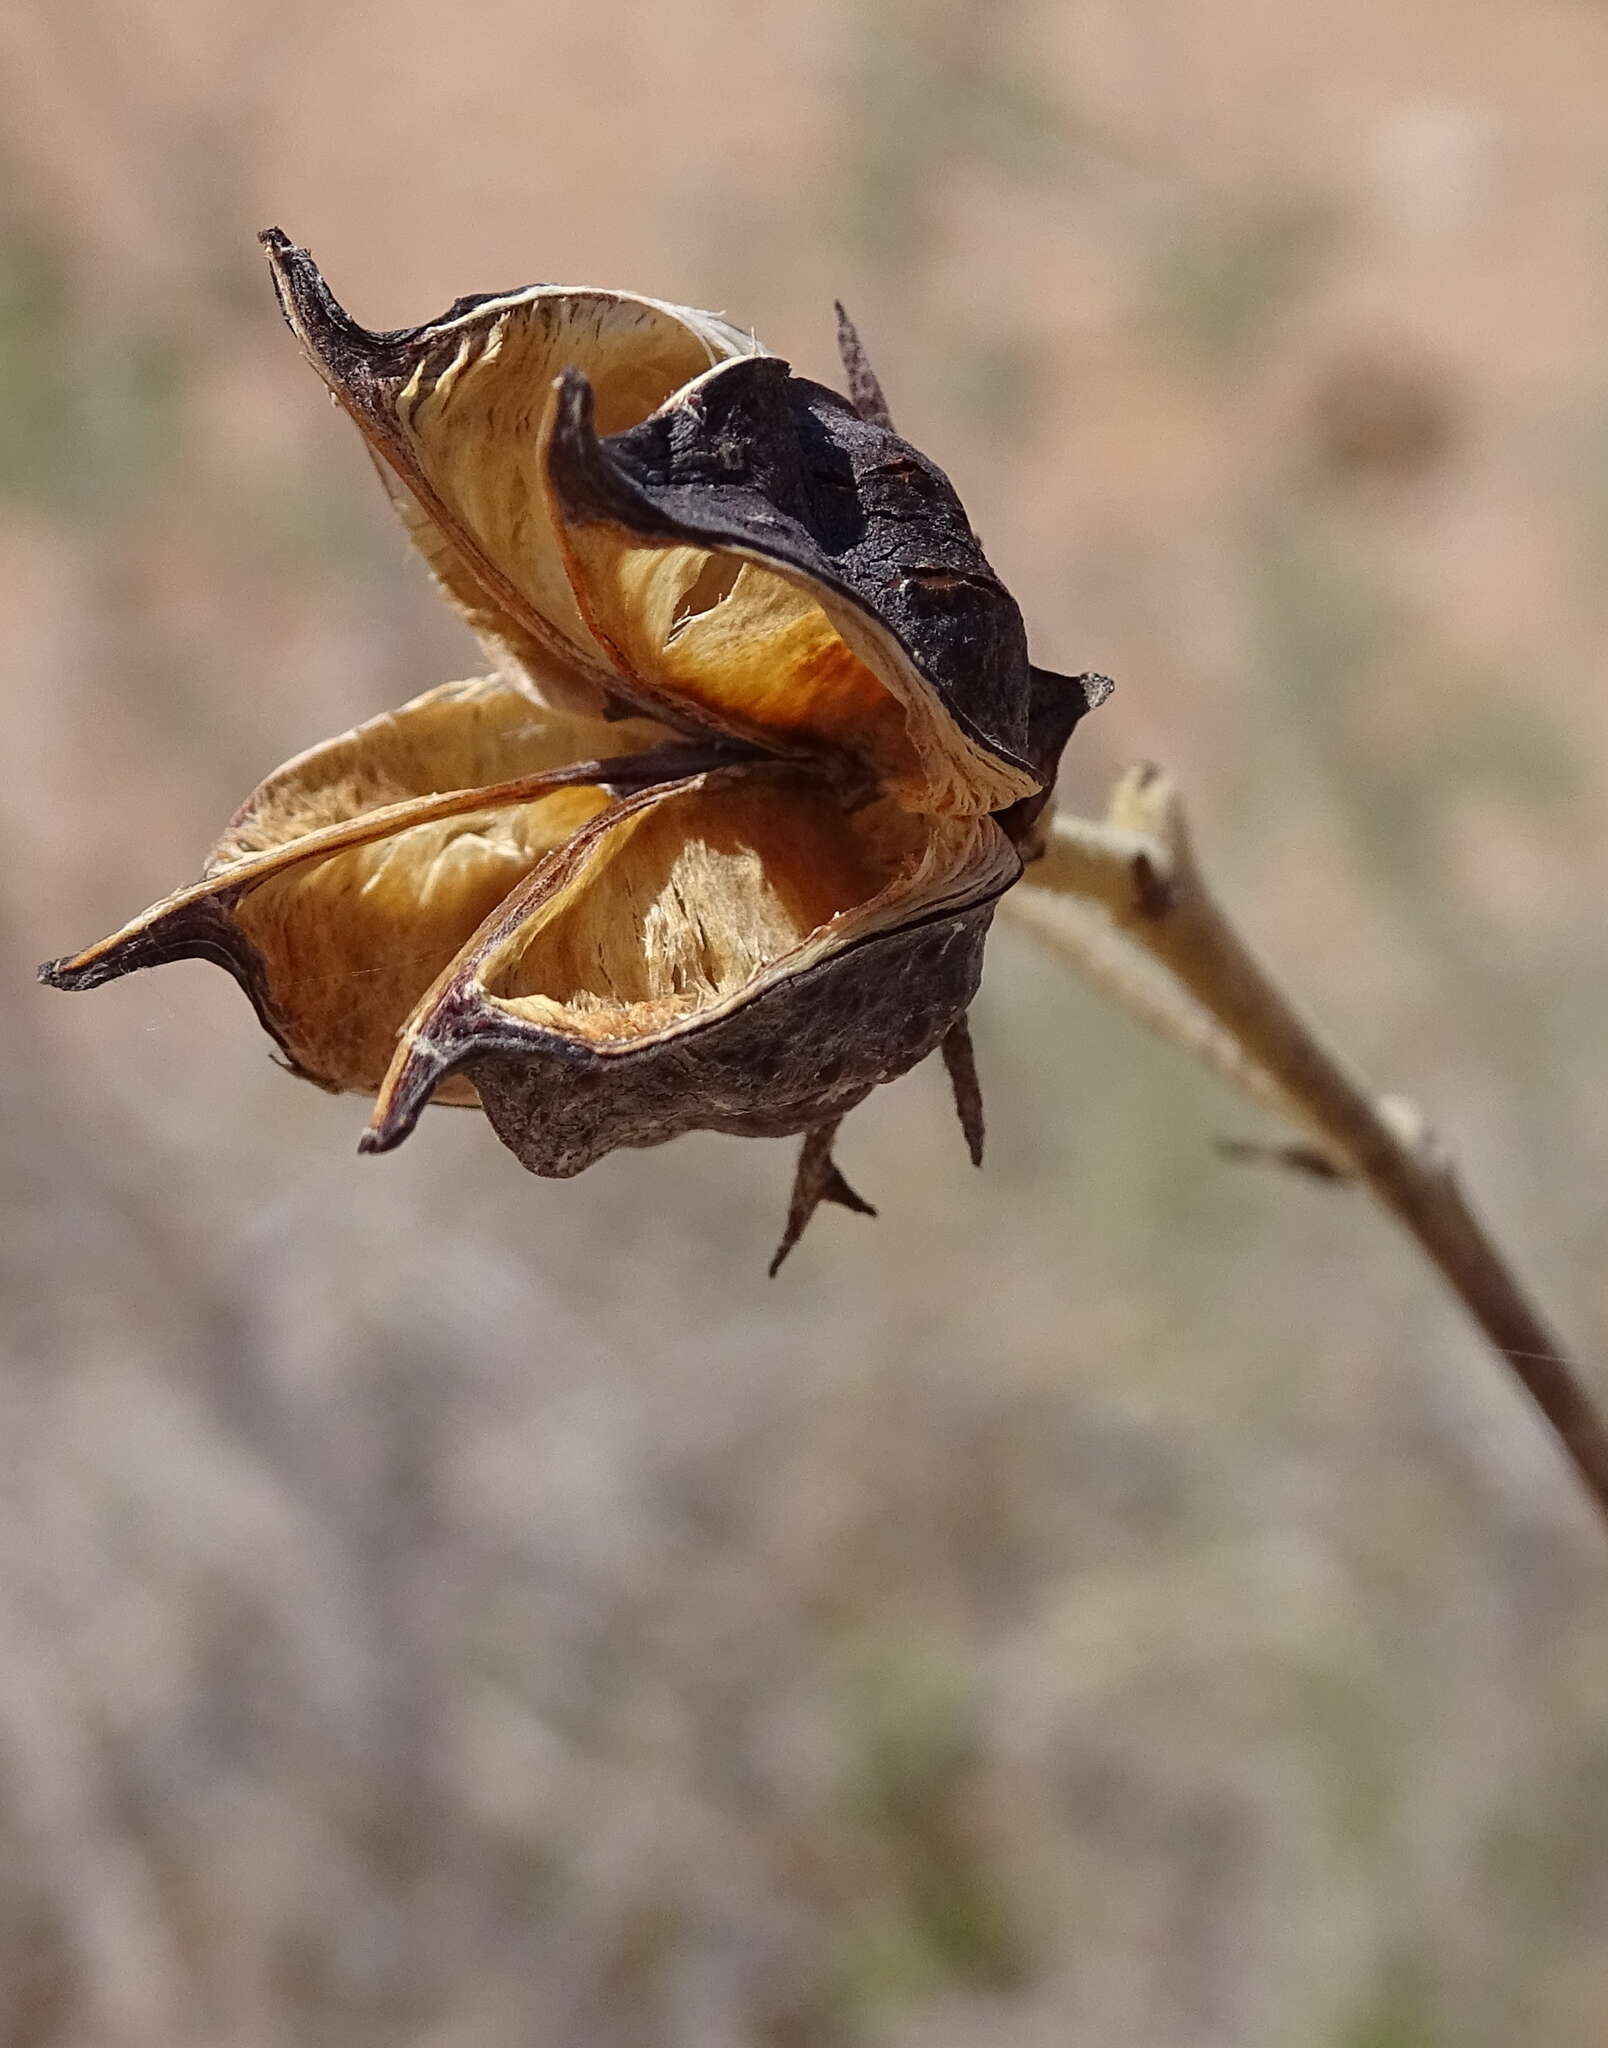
(716, 841)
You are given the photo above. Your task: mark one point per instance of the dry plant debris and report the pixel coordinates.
(716, 842)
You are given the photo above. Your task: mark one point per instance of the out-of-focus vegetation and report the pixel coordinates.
(1108, 1600)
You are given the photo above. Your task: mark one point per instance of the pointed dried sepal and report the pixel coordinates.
(815, 1181)
(452, 409)
(865, 388)
(758, 556)
(960, 1063)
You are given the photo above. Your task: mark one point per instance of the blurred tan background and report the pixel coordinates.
(1109, 1602)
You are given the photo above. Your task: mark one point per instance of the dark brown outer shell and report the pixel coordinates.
(205, 931)
(805, 1051)
(752, 457)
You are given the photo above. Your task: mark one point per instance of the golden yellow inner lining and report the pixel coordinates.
(690, 900)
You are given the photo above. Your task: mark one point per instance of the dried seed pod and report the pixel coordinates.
(717, 846)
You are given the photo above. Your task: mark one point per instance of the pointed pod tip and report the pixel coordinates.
(291, 268)
(73, 971)
(337, 345)
(572, 389)
(415, 1074)
(588, 483)
(396, 1115)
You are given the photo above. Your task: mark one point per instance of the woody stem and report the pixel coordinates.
(1125, 900)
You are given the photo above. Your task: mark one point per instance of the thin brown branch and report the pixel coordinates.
(1140, 867)
(1090, 940)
